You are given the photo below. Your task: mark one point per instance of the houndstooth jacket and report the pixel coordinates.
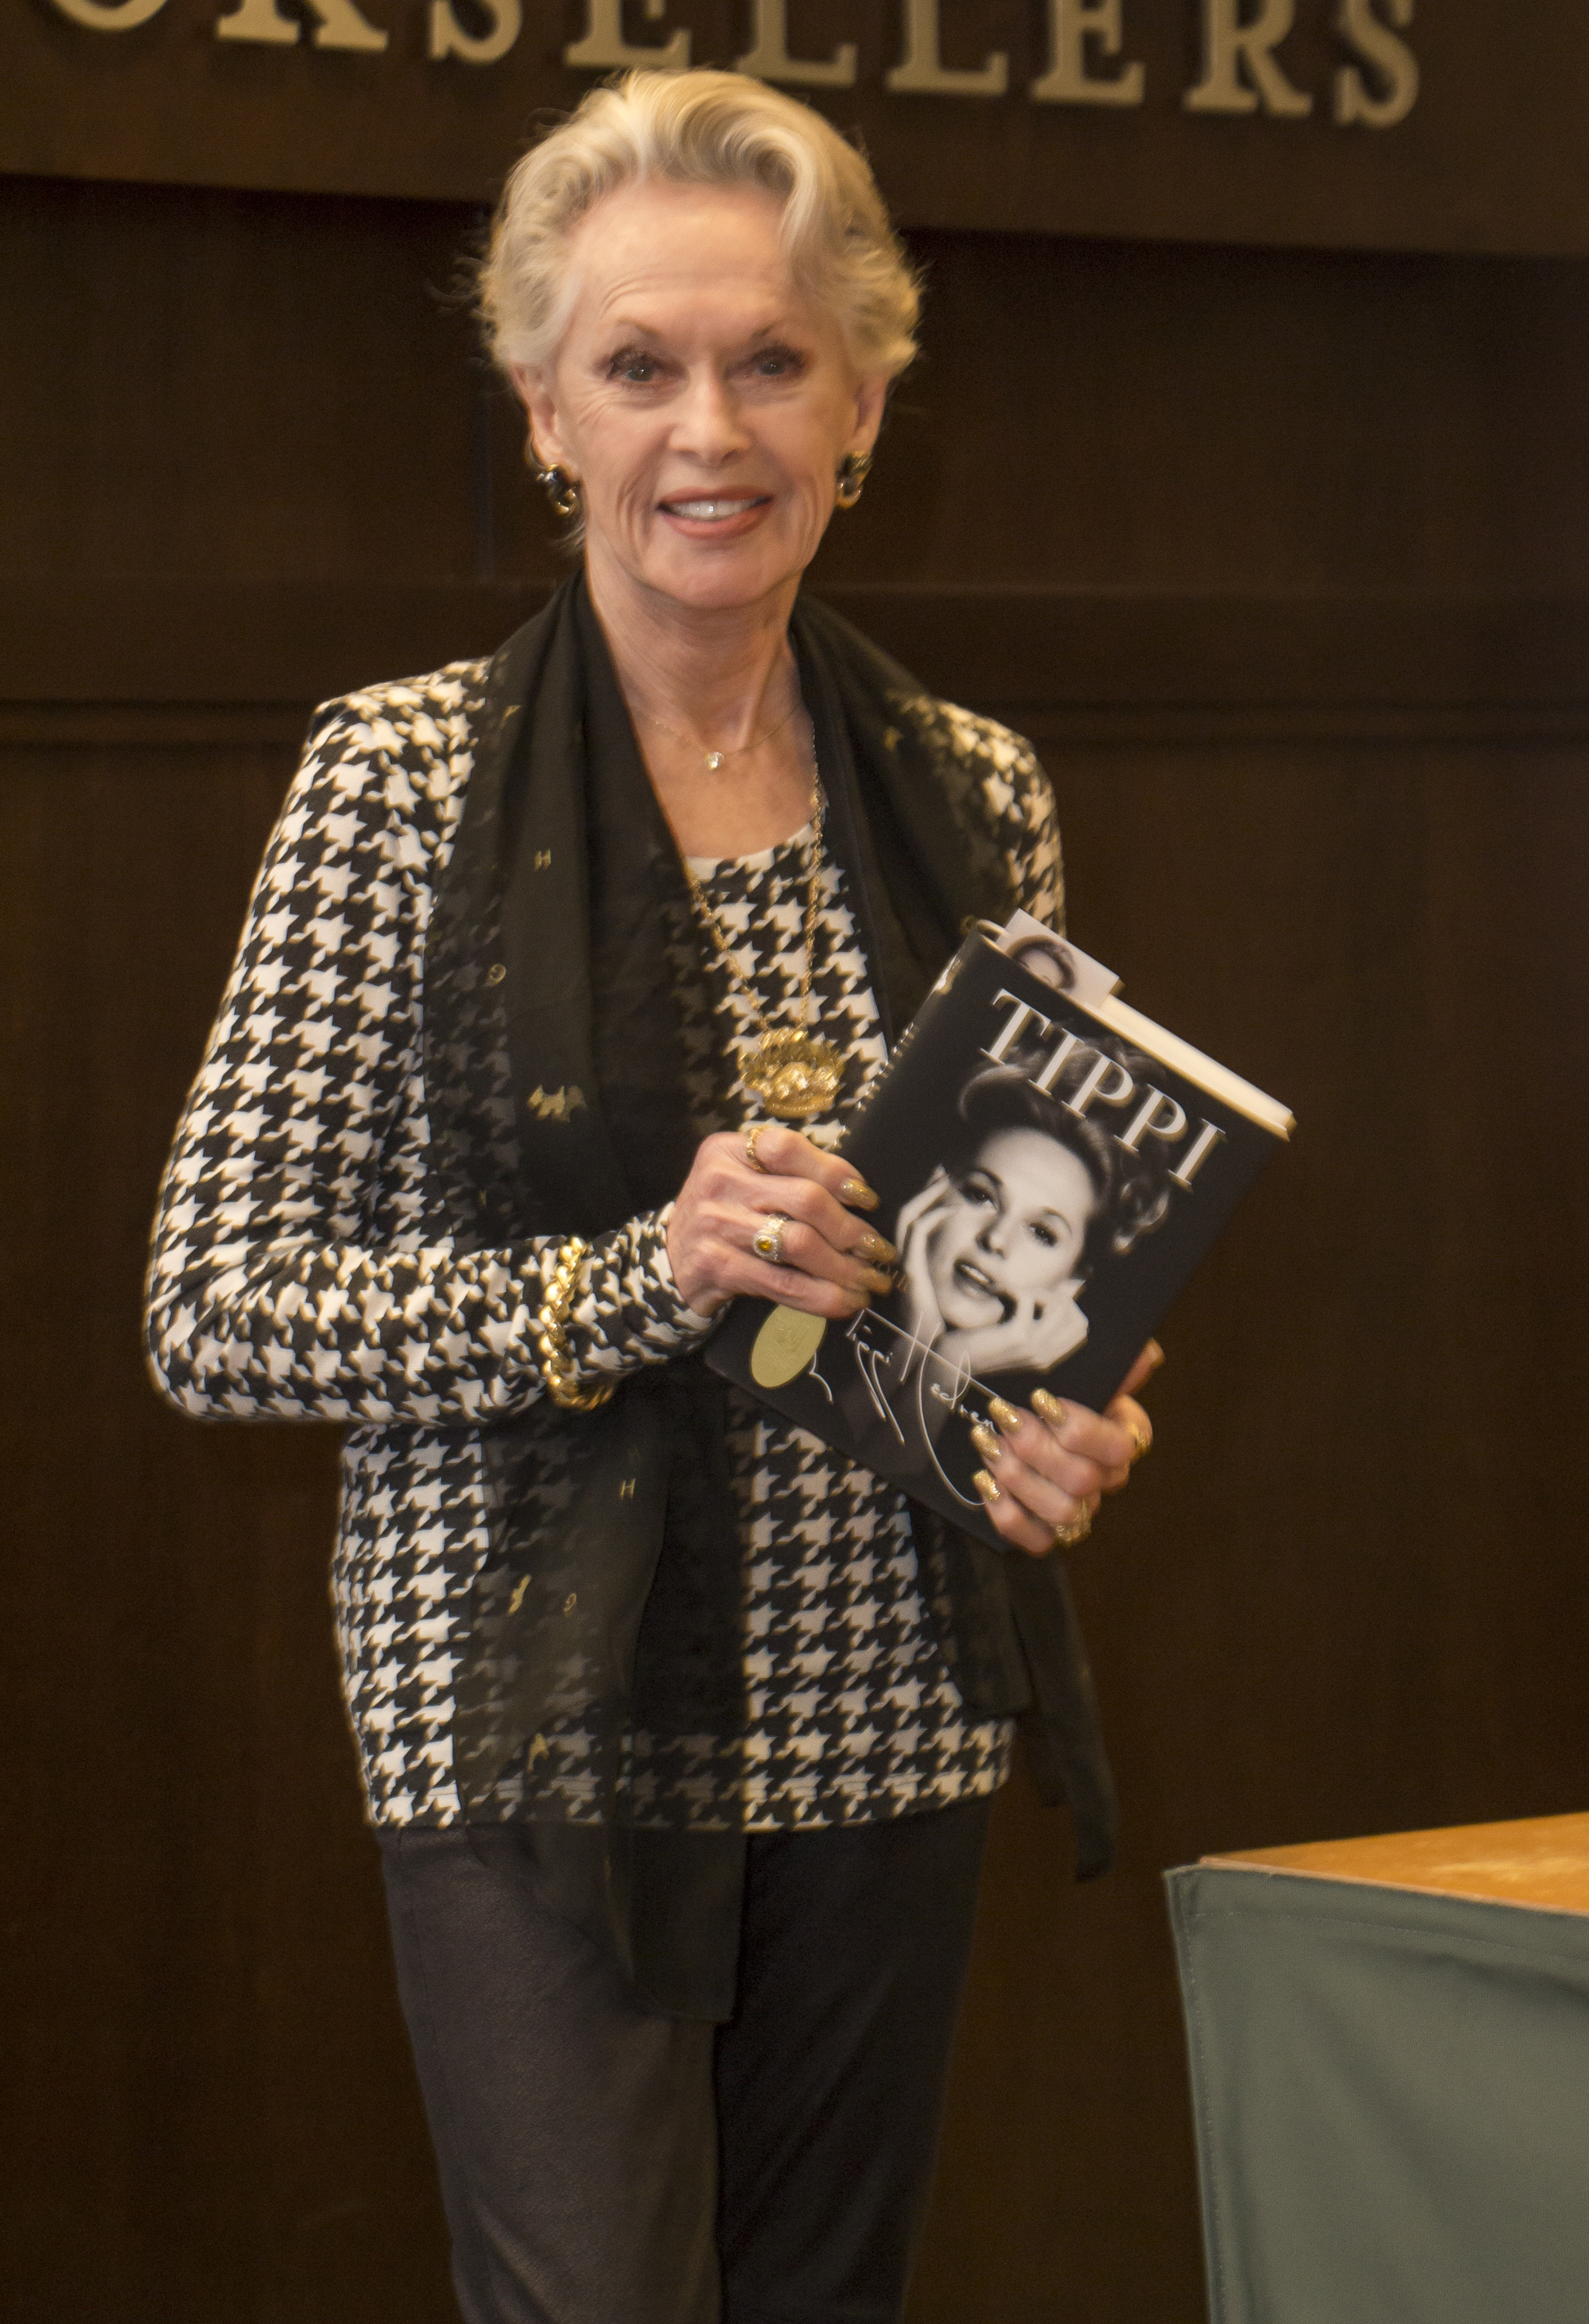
(303, 1267)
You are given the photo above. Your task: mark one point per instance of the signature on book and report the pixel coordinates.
(912, 1388)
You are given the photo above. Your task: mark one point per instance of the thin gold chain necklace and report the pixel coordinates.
(713, 758)
(793, 1072)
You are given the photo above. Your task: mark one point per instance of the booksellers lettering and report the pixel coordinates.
(1243, 65)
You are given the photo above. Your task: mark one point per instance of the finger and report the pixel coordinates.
(719, 1272)
(1143, 1370)
(1090, 1435)
(1128, 1412)
(807, 1249)
(783, 1153)
(1009, 1518)
(742, 1274)
(816, 1208)
(1043, 1496)
(1069, 1444)
(1018, 1523)
(813, 1294)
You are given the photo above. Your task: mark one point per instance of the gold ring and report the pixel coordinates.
(751, 1135)
(769, 1243)
(1067, 1537)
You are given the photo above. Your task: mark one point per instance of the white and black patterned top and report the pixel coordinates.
(303, 1268)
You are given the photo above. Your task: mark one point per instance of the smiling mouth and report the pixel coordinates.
(971, 1279)
(716, 510)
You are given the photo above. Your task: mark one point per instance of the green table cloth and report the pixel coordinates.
(1391, 2083)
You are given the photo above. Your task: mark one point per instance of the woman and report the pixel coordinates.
(680, 1808)
(1031, 1199)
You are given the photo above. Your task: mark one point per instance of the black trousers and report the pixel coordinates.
(602, 2165)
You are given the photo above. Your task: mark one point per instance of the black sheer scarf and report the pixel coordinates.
(611, 1593)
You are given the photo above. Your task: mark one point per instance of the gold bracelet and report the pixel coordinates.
(557, 1366)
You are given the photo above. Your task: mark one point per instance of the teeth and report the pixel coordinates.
(706, 510)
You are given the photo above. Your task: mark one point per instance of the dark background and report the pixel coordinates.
(1282, 558)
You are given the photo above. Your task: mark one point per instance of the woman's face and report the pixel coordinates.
(702, 401)
(1012, 1232)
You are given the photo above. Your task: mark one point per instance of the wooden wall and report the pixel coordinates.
(1284, 558)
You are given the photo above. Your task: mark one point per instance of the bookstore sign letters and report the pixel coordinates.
(1442, 124)
(1374, 85)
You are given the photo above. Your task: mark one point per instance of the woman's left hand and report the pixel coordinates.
(1045, 1471)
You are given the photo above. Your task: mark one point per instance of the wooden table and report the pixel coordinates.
(1389, 2055)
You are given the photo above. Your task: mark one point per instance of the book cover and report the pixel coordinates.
(1051, 1165)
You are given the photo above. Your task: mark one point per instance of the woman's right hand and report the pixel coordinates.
(832, 1259)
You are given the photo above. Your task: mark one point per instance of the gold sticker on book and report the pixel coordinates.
(784, 1346)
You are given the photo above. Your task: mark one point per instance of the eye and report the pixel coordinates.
(979, 1189)
(636, 366)
(1045, 1235)
(778, 361)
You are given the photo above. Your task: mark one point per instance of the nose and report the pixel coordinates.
(992, 1238)
(707, 423)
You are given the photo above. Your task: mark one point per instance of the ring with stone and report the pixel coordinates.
(1066, 1537)
(751, 1135)
(769, 1242)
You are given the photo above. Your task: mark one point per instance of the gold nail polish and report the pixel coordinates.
(858, 1194)
(1157, 1353)
(985, 1442)
(1049, 1408)
(986, 1486)
(876, 1280)
(873, 1245)
(1005, 1415)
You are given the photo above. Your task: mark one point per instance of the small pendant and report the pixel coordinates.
(714, 759)
(795, 1075)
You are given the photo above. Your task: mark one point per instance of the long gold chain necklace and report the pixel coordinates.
(793, 1072)
(713, 758)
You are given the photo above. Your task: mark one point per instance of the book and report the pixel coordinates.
(1051, 1165)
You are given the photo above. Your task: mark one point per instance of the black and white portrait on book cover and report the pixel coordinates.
(996, 1247)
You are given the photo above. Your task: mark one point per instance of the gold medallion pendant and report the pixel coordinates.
(794, 1074)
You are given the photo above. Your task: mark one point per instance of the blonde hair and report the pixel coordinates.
(710, 129)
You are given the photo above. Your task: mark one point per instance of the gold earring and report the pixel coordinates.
(560, 488)
(853, 472)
